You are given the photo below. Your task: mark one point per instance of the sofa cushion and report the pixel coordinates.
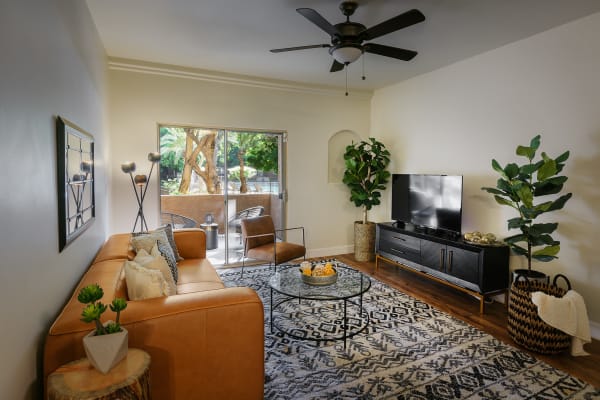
(156, 261)
(167, 253)
(144, 283)
(196, 270)
(194, 287)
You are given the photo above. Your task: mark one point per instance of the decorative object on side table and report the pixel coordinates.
(75, 181)
(140, 186)
(107, 344)
(518, 187)
(366, 175)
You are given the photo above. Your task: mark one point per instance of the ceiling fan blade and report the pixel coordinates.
(312, 46)
(318, 20)
(388, 51)
(336, 66)
(398, 22)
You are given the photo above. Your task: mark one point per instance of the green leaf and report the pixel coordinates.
(563, 157)
(90, 294)
(526, 195)
(560, 202)
(547, 170)
(547, 251)
(514, 223)
(511, 170)
(543, 228)
(505, 202)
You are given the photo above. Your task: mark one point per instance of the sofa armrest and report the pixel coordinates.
(190, 242)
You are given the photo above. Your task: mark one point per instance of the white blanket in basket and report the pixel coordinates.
(568, 314)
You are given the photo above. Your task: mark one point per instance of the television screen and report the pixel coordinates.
(432, 201)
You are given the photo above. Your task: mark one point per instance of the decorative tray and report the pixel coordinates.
(482, 239)
(318, 274)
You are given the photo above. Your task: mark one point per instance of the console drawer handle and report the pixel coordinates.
(399, 238)
(442, 251)
(397, 250)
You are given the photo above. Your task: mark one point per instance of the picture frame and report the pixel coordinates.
(75, 181)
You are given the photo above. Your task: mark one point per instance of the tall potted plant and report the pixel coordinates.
(518, 187)
(366, 175)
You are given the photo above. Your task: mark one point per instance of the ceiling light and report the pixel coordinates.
(346, 54)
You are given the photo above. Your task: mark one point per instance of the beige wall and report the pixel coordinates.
(139, 101)
(52, 64)
(456, 119)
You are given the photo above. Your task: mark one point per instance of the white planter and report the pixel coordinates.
(105, 351)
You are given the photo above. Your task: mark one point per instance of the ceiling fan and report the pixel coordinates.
(347, 38)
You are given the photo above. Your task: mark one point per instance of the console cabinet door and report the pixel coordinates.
(433, 255)
(463, 264)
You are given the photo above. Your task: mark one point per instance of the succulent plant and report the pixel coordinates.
(90, 296)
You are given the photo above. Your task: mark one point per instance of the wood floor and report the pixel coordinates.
(466, 308)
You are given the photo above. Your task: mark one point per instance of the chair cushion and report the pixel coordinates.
(258, 226)
(285, 252)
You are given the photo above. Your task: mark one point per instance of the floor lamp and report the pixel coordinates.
(140, 186)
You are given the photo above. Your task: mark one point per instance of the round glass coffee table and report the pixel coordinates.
(319, 313)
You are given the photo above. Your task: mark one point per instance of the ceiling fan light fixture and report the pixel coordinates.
(346, 54)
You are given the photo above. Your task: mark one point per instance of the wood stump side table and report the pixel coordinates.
(128, 380)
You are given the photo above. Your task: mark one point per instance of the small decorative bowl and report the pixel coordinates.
(319, 280)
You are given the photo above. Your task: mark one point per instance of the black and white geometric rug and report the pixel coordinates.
(410, 350)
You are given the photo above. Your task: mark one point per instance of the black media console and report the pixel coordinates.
(477, 270)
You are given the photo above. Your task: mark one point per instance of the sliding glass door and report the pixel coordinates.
(212, 178)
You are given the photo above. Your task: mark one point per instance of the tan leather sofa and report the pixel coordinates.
(206, 342)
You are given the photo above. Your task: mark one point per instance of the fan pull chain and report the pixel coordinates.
(346, 79)
(363, 66)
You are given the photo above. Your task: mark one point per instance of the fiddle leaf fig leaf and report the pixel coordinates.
(547, 170)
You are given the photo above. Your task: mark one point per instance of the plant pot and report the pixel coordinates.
(531, 275)
(364, 241)
(105, 351)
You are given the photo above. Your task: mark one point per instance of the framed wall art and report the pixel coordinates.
(75, 181)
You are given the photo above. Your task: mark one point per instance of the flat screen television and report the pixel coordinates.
(428, 201)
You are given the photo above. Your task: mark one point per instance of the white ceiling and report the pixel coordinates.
(235, 36)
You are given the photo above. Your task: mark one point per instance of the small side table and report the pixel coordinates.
(212, 230)
(128, 380)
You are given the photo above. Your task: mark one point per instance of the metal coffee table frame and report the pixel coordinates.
(350, 284)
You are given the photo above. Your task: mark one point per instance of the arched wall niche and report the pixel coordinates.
(335, 153)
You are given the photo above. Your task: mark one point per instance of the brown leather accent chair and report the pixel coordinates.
(260, 242)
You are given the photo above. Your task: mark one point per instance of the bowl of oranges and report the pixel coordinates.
(318, 274)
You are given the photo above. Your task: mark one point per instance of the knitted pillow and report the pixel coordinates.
(156, 261)
(144, 283)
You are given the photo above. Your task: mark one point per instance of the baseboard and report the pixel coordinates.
(329, 251)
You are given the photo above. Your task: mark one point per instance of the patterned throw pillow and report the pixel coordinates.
(167, 253)
(156, 261)
(168, 229)
(147, 240)
(144, 283)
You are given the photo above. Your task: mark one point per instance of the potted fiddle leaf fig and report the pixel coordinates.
(519, 186)
(366, 175)
(107, 344)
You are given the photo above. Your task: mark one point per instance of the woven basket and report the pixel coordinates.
(525, 326)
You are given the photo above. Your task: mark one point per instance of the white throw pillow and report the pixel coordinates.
(144, 283)
(156, 261)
